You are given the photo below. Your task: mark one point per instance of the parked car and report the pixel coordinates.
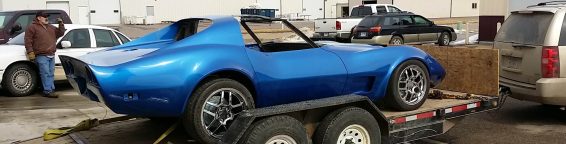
(12, 23)
(19, 76)
(531, 43)
(401, 28)
(208, 76)
(340, 28)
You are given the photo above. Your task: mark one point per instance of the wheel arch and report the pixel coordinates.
(233, 74)
(25, 62)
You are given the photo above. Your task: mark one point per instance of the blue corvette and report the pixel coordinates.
(208, 75)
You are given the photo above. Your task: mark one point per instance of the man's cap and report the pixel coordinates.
(41, 14)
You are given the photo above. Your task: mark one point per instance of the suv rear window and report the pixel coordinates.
(525, 28)
(369, 21)
(361, 11)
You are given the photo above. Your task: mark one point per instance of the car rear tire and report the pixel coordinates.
(396, 40)
(277, 130)
(444, 39)
(408, 87)
(348, 125)
(20, 80)
(212, 108)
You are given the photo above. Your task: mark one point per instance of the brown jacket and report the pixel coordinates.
(41, 40)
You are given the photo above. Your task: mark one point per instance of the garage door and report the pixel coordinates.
(59, 5)
(104, 11)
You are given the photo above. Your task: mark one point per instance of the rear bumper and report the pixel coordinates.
(1, 76)
(383, 40)
(331, 35)
(545, 91)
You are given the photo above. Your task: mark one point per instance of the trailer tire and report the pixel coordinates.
(207, 106)
(277, 129)
(348, 124)
(416, 83)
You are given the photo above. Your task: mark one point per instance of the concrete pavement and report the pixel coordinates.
(23, 118)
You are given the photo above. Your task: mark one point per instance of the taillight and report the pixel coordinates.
(375, 29)
(550, 62)
(338, 25)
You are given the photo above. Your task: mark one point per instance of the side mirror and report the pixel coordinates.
(15, 28)
(431, 23)
(65, 44)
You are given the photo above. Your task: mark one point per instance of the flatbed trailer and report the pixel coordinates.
(435, 117)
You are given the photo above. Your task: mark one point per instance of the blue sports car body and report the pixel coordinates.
(155, 75)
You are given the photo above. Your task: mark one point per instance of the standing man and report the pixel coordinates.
(40, 39)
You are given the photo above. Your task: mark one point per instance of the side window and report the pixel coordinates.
(53, 17)
(406, 20)
(122, 38)
(390, 21)
(393, 9)
(79, 38)
(562, 41)
(105, 38)
(24, 21)
(420, 20)
(380, 9)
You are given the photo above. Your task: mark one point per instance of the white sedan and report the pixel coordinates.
(19, 76)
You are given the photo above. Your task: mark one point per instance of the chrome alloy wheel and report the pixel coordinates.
(411, 85)
(21, 80)
(220, 109)
(354, 134)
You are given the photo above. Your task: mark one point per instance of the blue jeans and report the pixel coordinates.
(46, 72)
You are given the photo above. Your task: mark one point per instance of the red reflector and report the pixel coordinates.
(338, 25)
(550, 62)
(375, 29)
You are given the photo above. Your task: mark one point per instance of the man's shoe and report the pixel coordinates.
(51, 95)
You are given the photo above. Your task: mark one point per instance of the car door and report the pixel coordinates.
(81, 43)
(427, 31)
(104, 39)
(298, 75)
(408, 29)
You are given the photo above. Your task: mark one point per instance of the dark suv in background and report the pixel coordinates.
(13, 23)
(401, 28)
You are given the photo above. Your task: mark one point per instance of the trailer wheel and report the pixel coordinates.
(277, 130)
(408, 87)
(350, 125)
(212, 108)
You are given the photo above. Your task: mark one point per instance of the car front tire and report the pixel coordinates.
(20, 80)
(212, 108)
(408, 87)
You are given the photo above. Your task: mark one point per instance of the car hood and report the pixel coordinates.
(111, 57)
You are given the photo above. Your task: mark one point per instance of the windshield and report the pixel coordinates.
(4, 18)
(18, 40)
(525, 28)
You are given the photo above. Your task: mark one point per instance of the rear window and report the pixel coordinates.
(369, 21)
(525, 28)
(361, 11)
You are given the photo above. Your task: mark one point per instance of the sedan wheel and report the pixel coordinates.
(20, 80)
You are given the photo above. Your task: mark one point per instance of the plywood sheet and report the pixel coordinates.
(468, 69)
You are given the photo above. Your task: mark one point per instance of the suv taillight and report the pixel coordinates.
(375, 29)
(550, 62)
(338, 25)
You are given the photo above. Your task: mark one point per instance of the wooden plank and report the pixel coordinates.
(429, 105)
(468, 69)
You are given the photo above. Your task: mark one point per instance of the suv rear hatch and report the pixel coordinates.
(521, 40)
(368, 27)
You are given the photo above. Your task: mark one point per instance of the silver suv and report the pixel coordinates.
(532, 45)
